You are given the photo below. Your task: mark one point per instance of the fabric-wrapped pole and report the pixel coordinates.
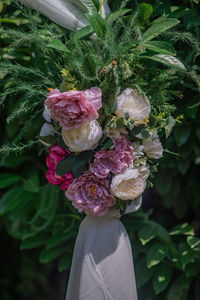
(102, 266)
(66, 13)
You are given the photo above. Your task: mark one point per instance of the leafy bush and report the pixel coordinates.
(166, 260)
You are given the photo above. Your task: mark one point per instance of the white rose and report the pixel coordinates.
(82, 138)
(153, 148)
(137, 106)
(130, 184)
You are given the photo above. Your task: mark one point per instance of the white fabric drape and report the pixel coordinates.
(102, 265)
(66, 13)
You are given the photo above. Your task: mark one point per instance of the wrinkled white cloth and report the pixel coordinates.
(66, 13)
(102, 265)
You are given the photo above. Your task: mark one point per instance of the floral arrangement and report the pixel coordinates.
(115, 165)
(112, 97)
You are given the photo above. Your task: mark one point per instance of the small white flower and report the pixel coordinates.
(46, 131)
(46, 114)
(130, 184)
(153, 148)
(82, 138)
(137, 106)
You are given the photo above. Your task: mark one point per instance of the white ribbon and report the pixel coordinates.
(102, 264)
(66, 13)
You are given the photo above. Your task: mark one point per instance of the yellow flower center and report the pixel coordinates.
(145, 120)
(92, 189)
(74, 89)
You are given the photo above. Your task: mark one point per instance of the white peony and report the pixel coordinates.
(137, 106)
(153, 148)
(130, 184)
(82, 138)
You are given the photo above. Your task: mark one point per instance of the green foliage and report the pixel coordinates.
(163, 256)
(139, 36)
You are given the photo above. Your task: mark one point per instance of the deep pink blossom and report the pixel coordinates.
(58, 153)
(90, 194)
(72, 108)
(115, 161)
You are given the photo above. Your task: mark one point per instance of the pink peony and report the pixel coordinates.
(115, 161)
(90, 194)
(72, 108)
(58, 153)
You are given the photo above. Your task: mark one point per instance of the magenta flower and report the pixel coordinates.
(115, 161)
(72, 108)
(58, 153)
(90, 194)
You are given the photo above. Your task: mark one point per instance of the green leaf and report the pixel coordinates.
(160, 47)
(168, 60)
(182, 134)
(193, 107)
(32, 184)
(46, 206)
(143, 274)
(65, 262)
(114, 16)
(179, 289)
(65, 166)
(48, 255)
(192, 270)
(178, 12)
(7, 179)
(107, 144)
(60, 238)
(158, 28)
(83, 32)
(162, 278)
(98, 24)
(146, 11)
(33, 242)
(186, 255)
(120, 123)
(12, 199)
(81, 163)
(58, 45)
(146, 234)
(145, 134)
(156, 254)
(184, 229)
(183, 166)
(92, 6)
(193, 241)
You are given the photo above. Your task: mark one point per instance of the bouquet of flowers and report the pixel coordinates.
(111, 84)
(100, 166)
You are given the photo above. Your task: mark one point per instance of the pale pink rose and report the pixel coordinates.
(73, 108)
(90, 194)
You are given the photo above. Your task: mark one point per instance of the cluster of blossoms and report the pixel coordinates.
(118, 172)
